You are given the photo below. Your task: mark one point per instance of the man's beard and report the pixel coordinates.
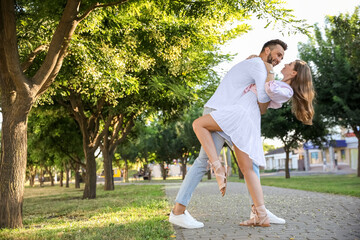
(269, 59)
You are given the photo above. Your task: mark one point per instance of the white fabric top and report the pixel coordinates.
(231, 88)
(278, 91)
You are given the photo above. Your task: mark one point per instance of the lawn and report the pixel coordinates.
(336, 184)
(129, 212)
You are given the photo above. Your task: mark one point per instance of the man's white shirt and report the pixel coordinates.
(240, 76)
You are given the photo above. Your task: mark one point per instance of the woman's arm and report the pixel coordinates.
(270, 72)
(270, 77)
(263, 107)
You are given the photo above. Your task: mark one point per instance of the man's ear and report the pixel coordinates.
(267, 50)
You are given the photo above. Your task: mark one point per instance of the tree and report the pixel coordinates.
(145, 143)
(20, 43)
(268, 147)
(189, 145)
(167, 147)
(126, 155)
(281, 123)
(54, 141)
(19, 91)
(335, 62)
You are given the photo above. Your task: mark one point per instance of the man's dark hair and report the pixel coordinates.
(272, 43)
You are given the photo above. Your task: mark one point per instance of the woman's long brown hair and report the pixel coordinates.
(302, 100)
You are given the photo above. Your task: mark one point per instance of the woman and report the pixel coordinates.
(241, 123)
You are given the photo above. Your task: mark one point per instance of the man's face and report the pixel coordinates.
(276, 55)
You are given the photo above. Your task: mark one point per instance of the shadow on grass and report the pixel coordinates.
(128, 212)
(144, 229)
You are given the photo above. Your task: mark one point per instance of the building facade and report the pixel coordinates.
(336, 154)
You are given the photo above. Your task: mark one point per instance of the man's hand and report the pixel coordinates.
(263, 107)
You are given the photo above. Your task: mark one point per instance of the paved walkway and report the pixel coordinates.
(309, 215)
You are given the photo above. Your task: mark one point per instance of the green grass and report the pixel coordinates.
(336, 184)
(128, 212)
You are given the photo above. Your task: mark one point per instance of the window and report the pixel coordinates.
(343, 154)
(315, 157)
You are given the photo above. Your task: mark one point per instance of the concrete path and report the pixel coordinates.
(309, 215)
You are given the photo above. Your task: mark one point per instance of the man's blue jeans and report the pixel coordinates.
(199, 168)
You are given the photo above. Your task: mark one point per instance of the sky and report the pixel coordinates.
(313, 11)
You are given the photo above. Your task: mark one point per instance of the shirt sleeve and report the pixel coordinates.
(278, 91)
(258, 73)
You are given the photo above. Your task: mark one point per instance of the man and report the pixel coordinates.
(247, 72)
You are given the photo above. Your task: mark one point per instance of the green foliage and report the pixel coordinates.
(268, 147)
(186, 138)
(53, 138)
(143, 56)
(334, 59)
(129, 212)
(282, 124)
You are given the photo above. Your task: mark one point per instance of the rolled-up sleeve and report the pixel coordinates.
(259, 74)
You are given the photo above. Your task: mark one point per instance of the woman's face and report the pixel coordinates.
(288, 70)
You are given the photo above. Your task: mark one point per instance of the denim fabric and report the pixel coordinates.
(199, 169)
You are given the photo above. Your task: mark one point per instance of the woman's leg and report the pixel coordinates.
(251, 179)
(255, 189)
(203, 126)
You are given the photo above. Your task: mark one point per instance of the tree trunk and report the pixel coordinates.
(358, 170)
(108, 170)
(90, 179)
(357, 134)
(42, 178)
(287, 170)
(126, 171)
(32, 175)
(77, 176)
(32, 179)
(51, 178)
(241, 175)
(67, 170)
(13, 162)
(48, 169)
(358, 157)
(209, 174)
(163, 170)
(183, 167)
(61, 178)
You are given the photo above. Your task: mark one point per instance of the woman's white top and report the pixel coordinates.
(278, 91)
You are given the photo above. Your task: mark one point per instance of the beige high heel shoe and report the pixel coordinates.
(261, 218)
(221, 175)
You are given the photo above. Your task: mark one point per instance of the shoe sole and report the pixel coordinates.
(184, 226)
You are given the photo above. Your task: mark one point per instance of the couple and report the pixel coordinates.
(233, 113)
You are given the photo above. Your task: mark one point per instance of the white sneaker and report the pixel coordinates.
(272, 218)
(185, 220)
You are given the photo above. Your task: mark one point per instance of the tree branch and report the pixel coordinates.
(25, 65)
(57, 48)
(98, 138)
(124, 133)
(117, 128)
(98, 5)
(55, 71)
(9, 46)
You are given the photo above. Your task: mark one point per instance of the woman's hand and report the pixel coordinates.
(252, 56)
(269, 67)
(270, 72)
